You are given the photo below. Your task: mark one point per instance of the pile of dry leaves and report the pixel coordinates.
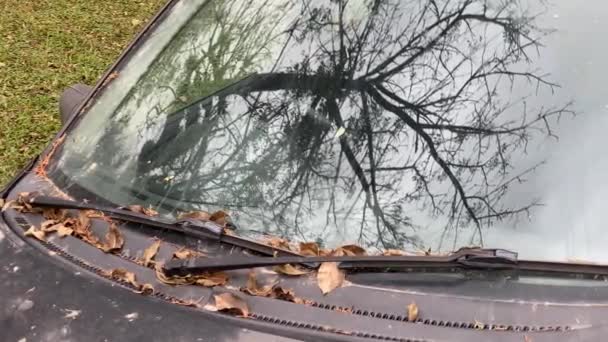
(329, 276)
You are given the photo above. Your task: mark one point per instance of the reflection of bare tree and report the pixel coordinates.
(418, 87)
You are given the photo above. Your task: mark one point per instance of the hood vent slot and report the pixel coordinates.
(441, 323)
(295, 324)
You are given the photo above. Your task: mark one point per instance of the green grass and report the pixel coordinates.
(45, 46)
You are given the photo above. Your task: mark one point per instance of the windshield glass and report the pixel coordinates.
(413, 124)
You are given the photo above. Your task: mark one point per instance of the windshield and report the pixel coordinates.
(390, 124)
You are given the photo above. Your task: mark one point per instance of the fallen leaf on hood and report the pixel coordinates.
(412, 312)
(220, 217)
(83, 220)
(309, 248)
(23, 201)
(191, 303)
(35, 232)
(232, 304)
(349, 250)
(479, 326)
(288, 269)
(51, 226)
(82, 229)
(112, 76)
(95, 214)
(123, 275)
(329, 277)
(150, 253)
(205, 279)
(148, 211)
(286, 295)
(63, 231)
(277, 242)
(48, 226)
(146, 289)
(253, 287)
(114, 240)
(10, 204)
(197, 215)
(163, 278)
(394, 252)
(211, 279)
(54, 214)
(185, 253)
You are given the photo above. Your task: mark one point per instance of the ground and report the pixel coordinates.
(46, 45)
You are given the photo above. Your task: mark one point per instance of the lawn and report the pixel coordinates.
(46, 45)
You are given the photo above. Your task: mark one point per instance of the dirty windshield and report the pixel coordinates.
(417, 125)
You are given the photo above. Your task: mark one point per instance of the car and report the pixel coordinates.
(255, 170)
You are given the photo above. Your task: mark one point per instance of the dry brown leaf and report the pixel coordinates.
(412, 312)
(479, 326)
(95, 214)
(205, 279)
(48, 226)
(54, 214)
(197, 215)
(83, 222)
(91, 239)
(394, 252)
(35, 232)
(146, 289)
(191, 303)
(82, 229)
(291, 270)
(309, 248)
(349, 250)
(285, 294)
(232, 304)
(211, 279)
(23, 201)
(185, 253)
(277, 242)
(329, 277)
(150, 253)
(114, 240)
(354, 250)
(123, 275)
(112, 76)
(10, 204)
(162, 277)
(63, 231)
(253, 287)
(220, 217)
(148, 211)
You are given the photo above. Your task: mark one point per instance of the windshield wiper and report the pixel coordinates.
(463, 258)
(189, 227)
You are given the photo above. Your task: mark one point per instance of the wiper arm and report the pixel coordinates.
(463, 258)
(189, 227)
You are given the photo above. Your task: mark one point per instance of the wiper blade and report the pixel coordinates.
(189, 227)
(463, 258)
